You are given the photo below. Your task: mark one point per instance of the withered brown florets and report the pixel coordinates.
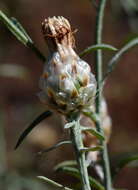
(58, 30)
(67, 84)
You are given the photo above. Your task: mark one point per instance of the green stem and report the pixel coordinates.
(76, 137)
(99, 65)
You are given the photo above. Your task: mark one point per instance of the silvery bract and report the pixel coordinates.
(67, 83)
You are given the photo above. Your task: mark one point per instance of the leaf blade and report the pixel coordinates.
(40, 118)
(55, 146)
(112, 63)
(74, 172)
(55, 184)
(94, 132)
(97, 47)
(65, 163)
(20, 27)
(19, 32)
(13, 29)
(91, 149)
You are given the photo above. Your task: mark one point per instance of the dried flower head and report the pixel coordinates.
(57, 30)
(67, 83)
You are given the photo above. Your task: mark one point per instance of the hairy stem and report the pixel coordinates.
(76, 137)
(99, 64)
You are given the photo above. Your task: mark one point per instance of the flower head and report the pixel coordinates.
(67, 83)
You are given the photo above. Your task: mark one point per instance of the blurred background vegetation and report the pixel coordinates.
(20, 70)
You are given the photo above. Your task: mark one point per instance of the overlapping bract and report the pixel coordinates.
(67, 83)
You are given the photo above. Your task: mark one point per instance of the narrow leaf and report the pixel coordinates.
(96, 148)
(19, 32)
(13, 28)
(31, 126)
(75, 173)
(123, 163)
(65, 163)
(30, 42)
(55, 184)
(69, 125)
(112, 63)
(93, 116)
(97, 47)
(20, 27)
(54, 147)
(94, 132)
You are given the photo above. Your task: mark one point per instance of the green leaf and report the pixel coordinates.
(20, 27)
(123, 162)
(93, 116)
(75, 173)
(96, 148)
(40, 118)
(97, 47)
(93, 132)
(69, 125)
(54, 146)
(13, 28)
(130, 36)
(65, 163)
(30, 42)
(112, 63)
(127, 160)
(53, 183)
(19, 32)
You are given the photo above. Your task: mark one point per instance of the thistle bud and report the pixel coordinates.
(67, 83)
